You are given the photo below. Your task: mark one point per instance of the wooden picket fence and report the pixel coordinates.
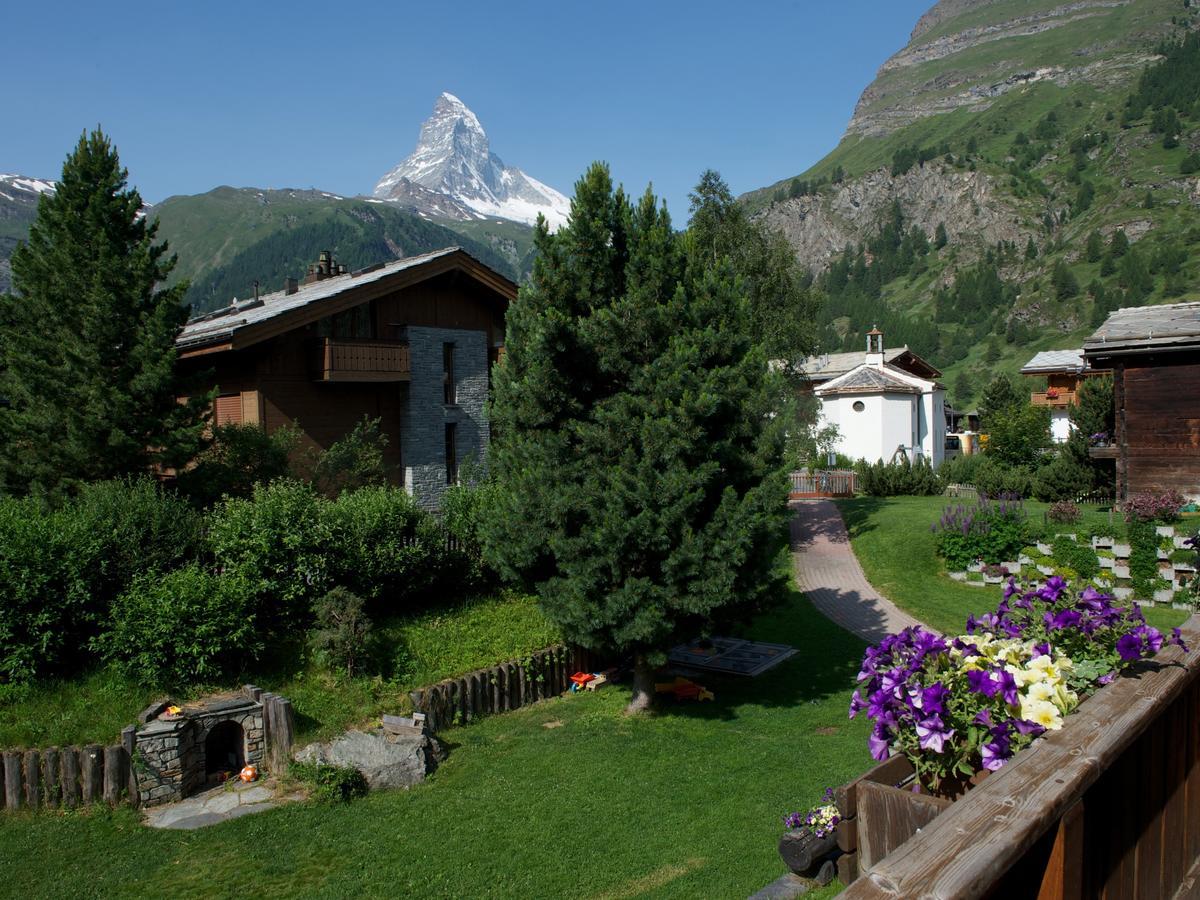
(69, 776)
(824, 483)
(510, 685)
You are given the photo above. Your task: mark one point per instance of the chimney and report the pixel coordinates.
(290, 285)
(323, 268)
(875, 348)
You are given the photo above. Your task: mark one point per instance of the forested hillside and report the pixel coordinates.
(980, 224)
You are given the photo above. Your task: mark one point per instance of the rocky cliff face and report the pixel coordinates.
(969, 204)
(454, 174)
(958, 58)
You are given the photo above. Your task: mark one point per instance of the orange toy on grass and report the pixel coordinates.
(249, 773)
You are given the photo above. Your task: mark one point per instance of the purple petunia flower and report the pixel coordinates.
(932, 734)
(877, 743)
(1177, 639)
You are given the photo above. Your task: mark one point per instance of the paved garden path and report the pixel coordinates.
(828, 572)
(215, 805)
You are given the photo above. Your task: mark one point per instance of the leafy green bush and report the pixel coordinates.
(960, 469)
(1061, 479)
(184, 626)
(44, 588)
(330, 784)
(880, 479)
(990, 530)
(1075, 556)
(383, 546)
(995, 478)
(342, 631)
(1017, 435)
(239, 458)
(353, 462)
(1143, 556)
(463, 508)
(279, 542)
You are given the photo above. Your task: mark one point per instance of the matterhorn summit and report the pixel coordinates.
(453, 173)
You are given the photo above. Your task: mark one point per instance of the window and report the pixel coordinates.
(858, 406)
(451, 396)
(352, 324)
(451, 453)
(228, 410)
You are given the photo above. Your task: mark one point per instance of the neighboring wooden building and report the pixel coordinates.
(1154, 355)
(1064, 371)
(410, 342)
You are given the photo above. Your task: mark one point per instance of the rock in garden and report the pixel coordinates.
(386, 761)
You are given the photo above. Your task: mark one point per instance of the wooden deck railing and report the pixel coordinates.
(338, 359)
(1043, 398)
(1107, 807)
(824, 483)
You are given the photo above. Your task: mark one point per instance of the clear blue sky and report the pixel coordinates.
(199, 94)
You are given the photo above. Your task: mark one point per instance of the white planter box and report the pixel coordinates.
(1183, 567)
(1013, 567)
(1165, 530)
(1181, 606)
(976, 583)
(959, 576)
(1146, 604)
(1164, 596)
(1104, 583)
(1163, 554)
(993, 579)
(1102, 543)
(975, 567)
(1122, 551)
(1044, 549)
(1181, 542)
(1120, 571)
(1046, 570)
(1073, 537)
(1025, 560)
(1106, 563)
(1122, 593)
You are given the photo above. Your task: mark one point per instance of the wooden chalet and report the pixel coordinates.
(410, 342)
(1064, 371)
(1154, 355)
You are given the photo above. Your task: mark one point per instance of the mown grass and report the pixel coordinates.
(407, 652)
(568, 798)
(892, 539)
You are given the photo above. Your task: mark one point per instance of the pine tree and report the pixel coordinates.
(1031, 250)
(1000, 395)
(88, 337)
(992, 354)
(1066, 285)
(641, 485)
(1095, 247)
(940, 238)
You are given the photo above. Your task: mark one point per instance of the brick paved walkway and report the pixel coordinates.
(828, 572)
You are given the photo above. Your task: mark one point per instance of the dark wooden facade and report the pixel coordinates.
(1157, 436)
(290, 368)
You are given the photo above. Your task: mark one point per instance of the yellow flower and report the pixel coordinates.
(1041, 713)
(1040, 691)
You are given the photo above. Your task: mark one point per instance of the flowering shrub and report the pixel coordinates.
(820, 820)
(1064, 512)
(955, 705)
(991, 530)
(1099, 439)
(1153, 507)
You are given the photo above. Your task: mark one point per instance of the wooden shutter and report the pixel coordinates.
(228, 410)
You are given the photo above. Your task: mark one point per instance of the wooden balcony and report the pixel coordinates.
(1043, 398)
(1108, 451)
(355, 360)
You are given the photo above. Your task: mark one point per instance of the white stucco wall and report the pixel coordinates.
(887, 421)
(1060, 425)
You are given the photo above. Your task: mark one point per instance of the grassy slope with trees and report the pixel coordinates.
(1076, 160)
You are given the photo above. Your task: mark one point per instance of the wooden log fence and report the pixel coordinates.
(1109, 806)
(67, 777)
(507, 686)
(824, 483)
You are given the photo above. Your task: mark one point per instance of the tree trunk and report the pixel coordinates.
(643, 686)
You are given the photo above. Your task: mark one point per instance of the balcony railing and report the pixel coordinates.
(1044, 398)
(351, 360)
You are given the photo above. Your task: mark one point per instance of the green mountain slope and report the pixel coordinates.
(985, 172)
(230, 237)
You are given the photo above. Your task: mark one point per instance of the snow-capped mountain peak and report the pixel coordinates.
(23, 184)
(453, 158)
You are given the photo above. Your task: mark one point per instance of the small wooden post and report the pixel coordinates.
(70, 779)
(285, 729)
(13, 787)
(115, 778)
(33, 778)
(91, 763)
(129, 742)
(52, 792)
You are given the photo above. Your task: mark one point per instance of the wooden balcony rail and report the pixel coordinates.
(824, 483)
(351, 360)
(1043, 398)
(1107, 807)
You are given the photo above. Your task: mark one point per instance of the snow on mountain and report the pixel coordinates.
(23, 188)
(454, 173)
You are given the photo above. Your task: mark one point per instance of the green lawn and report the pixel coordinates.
(410, 652)
(565, 798)
(892, 539)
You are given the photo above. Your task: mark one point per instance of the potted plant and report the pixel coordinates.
(811, 837)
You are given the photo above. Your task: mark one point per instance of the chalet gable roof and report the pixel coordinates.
(825, 368)
(1143, 329)
(870, 380)
(249, 321)
(1053, 361)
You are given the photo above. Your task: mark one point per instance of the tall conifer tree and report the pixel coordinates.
(87, 339)
(643, 494)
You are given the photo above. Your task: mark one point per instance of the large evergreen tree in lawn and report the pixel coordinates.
(87, 339)
(642, 488)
